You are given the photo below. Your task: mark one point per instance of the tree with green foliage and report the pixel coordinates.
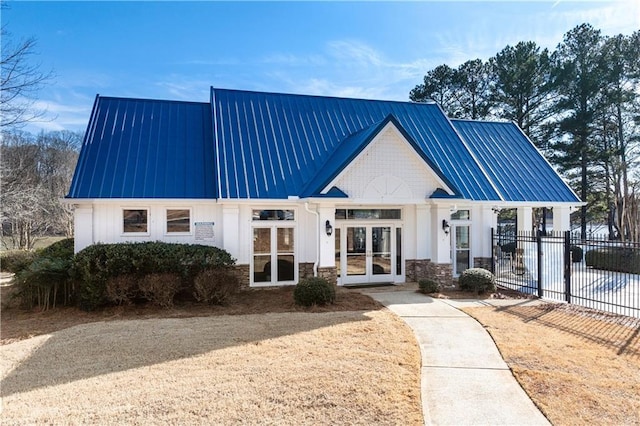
(578, 72)
(462, 92)
(472, 80)
(438, 86)
(522, 88)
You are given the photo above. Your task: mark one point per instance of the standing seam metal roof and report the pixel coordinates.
(325, 122)
(271, 146)
(513, 163)
(138, 148)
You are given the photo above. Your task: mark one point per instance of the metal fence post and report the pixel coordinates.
(493, 253)
(539, 248)
(567, 266)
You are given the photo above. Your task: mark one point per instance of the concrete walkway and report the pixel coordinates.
(465, 381)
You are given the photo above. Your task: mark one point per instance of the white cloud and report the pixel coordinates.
(185, 88)
(348, 68)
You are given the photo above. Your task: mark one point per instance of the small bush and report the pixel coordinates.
(160, 288)
(16, 260)
(428, 286)
(619, 259)
(314, 291)
(576, 254)
(215, 286)
(122, 289)
(477, 280)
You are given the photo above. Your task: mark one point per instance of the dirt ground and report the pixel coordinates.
(277, 365)
(579, 366)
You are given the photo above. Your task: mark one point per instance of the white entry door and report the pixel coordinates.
(367, 253)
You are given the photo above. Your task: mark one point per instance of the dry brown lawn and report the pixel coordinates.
(278, 365)
(578, 366)
(264, 360)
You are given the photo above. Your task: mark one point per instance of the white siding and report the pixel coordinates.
(388, 171)
(108, 228)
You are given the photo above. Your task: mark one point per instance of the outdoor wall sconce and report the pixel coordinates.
(328, 228)
(495, 209)
(445, 226)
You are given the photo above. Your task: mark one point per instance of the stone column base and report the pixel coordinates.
(305, 270)
(425, 269)
(329, 273)
(482, 262)
(242, 273)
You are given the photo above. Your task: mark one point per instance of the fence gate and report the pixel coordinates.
(595, 273)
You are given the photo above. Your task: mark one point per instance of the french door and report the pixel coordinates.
(368, 253)
(273, 256)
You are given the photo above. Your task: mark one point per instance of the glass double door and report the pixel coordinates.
(367, 253)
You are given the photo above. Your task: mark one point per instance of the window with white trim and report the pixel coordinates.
(178, 221)
(135, 221)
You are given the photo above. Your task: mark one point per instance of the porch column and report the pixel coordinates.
(440, 241)
(524, 221)
(482, 220)
(327, 242)
(231, 231)
(423, 221)
(561, 218)
(82, 227)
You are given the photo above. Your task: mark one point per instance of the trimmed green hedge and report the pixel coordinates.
(96, 264)
(619, 259)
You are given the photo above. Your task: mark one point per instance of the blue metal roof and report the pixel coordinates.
(274, 145)
(136, 148)
(513, 163)
(348, 150)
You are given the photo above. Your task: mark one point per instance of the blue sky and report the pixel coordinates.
(177, 50)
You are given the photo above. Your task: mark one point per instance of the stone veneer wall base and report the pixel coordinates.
(425, 269)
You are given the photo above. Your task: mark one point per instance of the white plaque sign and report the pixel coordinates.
(204, 231)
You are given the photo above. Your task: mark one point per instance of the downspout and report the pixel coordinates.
(317, 262)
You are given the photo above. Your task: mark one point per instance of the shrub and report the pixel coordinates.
(160, 288)
(314, 291)
(16, 260)
(96, 264)
(45, 280)
(62, 249)
(45, 283)
(121, 289)
(619, 259)
(428, 286)
(477, 280)
(576, 254)
(215, 286)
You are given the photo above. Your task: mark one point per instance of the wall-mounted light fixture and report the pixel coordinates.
(445, 226)
(328, 228)
(495, 209)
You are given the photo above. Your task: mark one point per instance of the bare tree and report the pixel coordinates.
(36, 173)
(20, 81)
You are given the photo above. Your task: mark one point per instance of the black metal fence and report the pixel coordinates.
(595, 273)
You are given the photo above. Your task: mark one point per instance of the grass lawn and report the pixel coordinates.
(260, 360)
(263, 360)
(579, 366)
